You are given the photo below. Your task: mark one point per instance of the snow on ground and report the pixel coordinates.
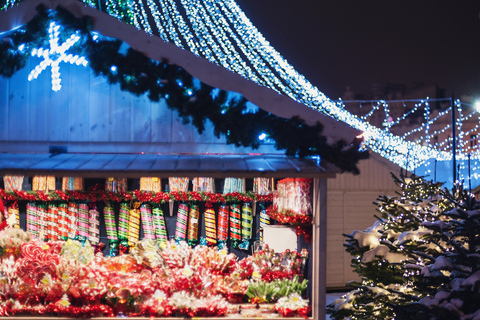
(332, 296)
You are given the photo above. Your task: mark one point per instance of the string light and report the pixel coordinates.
(220, 32)
(53, 56)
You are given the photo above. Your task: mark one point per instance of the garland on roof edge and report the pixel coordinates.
(195, 102)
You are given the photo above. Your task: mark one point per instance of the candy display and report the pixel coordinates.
(210, 227)
(72, 220)
(262, 185)
(12, 183)
(111, 228)
(247, 225)
(147, 221)
(66, 278)
(42, 221)
(203, 184)
(235, 224)
(159, 224)
(82, 222)
(181, 225)
(52, 226)
(233, 185)
(222, 232)
(193, 216)
(62, 221)
(134, 225)
(43, 183)
(32, 219)
(177, 184)
(151, 184)
(93, 225)
(294, 195)
(123, 219)
(116, 185)
(72, 183)
(60, 268)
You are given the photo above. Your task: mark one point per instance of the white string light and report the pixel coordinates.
(53, 56)
(221, 32)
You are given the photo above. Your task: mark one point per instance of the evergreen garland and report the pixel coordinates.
(194, 102)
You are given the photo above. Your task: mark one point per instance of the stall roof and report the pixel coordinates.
(89, 165)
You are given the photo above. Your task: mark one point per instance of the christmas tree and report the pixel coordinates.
(396, 257)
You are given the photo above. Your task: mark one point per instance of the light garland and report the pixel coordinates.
(56, 54)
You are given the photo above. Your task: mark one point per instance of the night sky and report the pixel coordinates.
(356, 43)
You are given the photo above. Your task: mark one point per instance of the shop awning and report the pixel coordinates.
(161, 165)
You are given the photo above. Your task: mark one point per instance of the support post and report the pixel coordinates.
(454, 141)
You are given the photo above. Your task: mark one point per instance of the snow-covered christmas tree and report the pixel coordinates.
(421, 258)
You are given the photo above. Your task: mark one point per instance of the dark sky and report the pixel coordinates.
(356, 43)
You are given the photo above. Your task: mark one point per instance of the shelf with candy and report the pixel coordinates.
(67, 278)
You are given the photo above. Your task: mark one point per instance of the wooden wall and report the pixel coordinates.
(350, 207)
(90, 115)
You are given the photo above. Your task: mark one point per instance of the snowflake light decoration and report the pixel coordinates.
(56, 54)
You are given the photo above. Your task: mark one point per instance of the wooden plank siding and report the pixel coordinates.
(350, 207)
(89, 115)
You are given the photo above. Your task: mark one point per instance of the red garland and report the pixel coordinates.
(301, 223)
(96, 194)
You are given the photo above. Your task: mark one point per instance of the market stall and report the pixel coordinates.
(173, 246)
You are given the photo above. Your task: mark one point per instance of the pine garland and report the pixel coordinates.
(195, 102)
